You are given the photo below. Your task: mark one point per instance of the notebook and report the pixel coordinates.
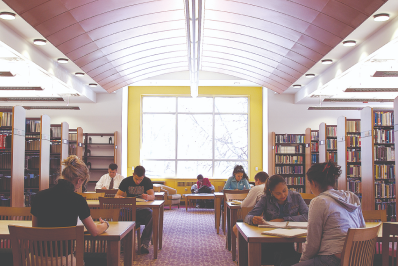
(287, 233)
(236, 202)
(287, 224)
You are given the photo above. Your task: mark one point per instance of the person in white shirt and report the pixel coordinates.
(257, 191)
(111, 180)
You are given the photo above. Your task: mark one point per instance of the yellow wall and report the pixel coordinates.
(255, 122)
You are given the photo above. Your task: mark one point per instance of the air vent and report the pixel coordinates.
(52, 107)
(6, 74)
(386, 74)
(357, 100)
(371, 90)
(21, 88)
(31, 99)
(180, 184)
(334, 108)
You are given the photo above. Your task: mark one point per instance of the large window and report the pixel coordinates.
(183, 137)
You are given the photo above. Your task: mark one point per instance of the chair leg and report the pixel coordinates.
(170, 206)
(139, 240)
(178, 205)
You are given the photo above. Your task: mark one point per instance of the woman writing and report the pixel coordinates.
(60, 206)
(277, 205)
(238, 180)
(332, 213)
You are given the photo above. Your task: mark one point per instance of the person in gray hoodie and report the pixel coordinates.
(331, 214)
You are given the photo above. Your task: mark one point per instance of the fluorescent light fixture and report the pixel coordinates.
(309, 75)
(31, 99)
(381, 17)
(334, 108)
(297, 86)
(9, 88)
(7, 15)
(349, 43)
(6, 74)
(327, 61)
(52, 107)
(371, 90)
(39, 42)
(63, 60)
(79, 74)
(93, 85)
(357, 100)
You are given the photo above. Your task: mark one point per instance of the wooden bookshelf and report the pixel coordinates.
(76, 145)
(311, 151)
(44, 174)
(327, 143)
(32, 157)
(289, 154)
(378, 165)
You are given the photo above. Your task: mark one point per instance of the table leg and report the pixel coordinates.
(254, 249)
(161, 226)
(155, 231)
(228, 238)
(243, 256)
(224, 214)
(217, 210)
(129, 252)
(186, 203)
(113, 253)
(234, 217)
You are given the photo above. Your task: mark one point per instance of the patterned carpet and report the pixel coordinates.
(189, 238)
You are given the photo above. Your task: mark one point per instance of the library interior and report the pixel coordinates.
(206, 96)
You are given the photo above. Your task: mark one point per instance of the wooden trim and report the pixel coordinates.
(272, 168)
(322, 139)
(342, 151)
(79, 149)
(368, 193)
(64, 142)
(17, 156)
(308, 161)
(44, 171)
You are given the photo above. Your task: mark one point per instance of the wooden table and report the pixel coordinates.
(218, 196)
(157, 207)
(250, 239)
(197, 196)
(232, 217)
(159, 195)
(116, 232)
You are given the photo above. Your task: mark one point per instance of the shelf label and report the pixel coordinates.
(115, 146)
(45, 137)
(367, 133)
(80, 144)
(396, 127)
(321, 142)
(19, 132)
(341, 139)
(307, 145)
(65, 141)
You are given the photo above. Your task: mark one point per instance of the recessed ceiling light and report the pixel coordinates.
(327, 61)
(39, 42)
(63, 60)
(349, 43)
(79, 74)
(297, 86)
(309, 75)
(381, 17)
(92, 85)
(7, 15)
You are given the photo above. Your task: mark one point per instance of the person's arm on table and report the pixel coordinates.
(150, 195)
(228, 183)
(254, 216)
(93, 228)
(249, 200)
(100, 184)
(120, 194)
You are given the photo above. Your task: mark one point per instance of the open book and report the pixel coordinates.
(236, 202)
(288, 233)
(286, 224)
(139, 199)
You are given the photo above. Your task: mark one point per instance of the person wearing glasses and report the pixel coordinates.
(238, 180)
(138, 185)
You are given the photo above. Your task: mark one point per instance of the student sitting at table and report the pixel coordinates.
(257, 191)
(138, 185)
(111, 180)
(278, 204)
(202, 186)
(238, 180)
(332, 213)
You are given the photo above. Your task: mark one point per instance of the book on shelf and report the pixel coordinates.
(286, 233)
(289, 138)
(295, 180)
(6, 119)
(383, 118)
(383, 153)
(289, 159)
(289, 169)
(289, 149)
(383, 135)
(331, 131)
(285, 224)
(353, 126)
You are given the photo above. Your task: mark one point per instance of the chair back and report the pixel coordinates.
(389, 241)
(127, 206)
(47, 246)
(375, 216)
(109, 193)
(105, 214)
(92, 196)
(246, 210)
(15, 213)
(307, 197)
(231, 197)
(156, 187)
(359, 246)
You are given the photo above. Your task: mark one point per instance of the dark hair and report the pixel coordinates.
(113, 166)
(239, 169)
(272, 182)
(199, 177)
(325, 174)
(261, 176)
(139, 170)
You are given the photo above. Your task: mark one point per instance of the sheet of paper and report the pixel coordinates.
(302, 225)
(287, 233)
(274, 224)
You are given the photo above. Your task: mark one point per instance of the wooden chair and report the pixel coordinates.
(58, 244)
(307, 197)
(15, 213)
(389, 241)
(359, 246)
(109, 193)
(375, 216)
(92, 196)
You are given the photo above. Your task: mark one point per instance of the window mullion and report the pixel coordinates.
(214, 135)
(176, 140)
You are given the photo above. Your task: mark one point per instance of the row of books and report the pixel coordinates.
(389, 206)
(331, 131)
(314, 158)
(353, 126)
(5, 182)
(383, 136)
(289, 149)
(331, 156)
(31, 181)
(289, 169)
(289, 138)
(331, 144)
(32, 126)
(5, 160)
(32, 145)
(289, 159)
(314, 147)
(315, 135)
(297, 189)
(384, 190)
(55, 132)
(384, 171)
(299, 180)
(354, 170)
(6, 120)
(72, 137)
(354, 186)
(55, 147)
(33, 162)
(5, 141)
(384, 118)
(5, 201)
(353, 141)
(383, 153)
(353, 156)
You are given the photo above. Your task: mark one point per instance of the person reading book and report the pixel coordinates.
(332, 212)
(203, 185)
(277, 205)
(111, 180)
(138, 185)
(238, 180)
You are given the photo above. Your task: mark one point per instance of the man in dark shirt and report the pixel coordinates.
(141, 186)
